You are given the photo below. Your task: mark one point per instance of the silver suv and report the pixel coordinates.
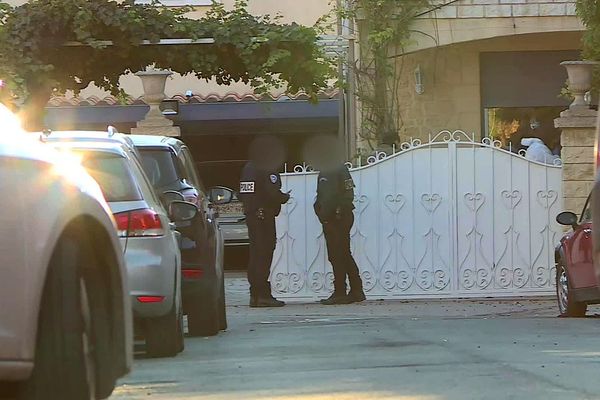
(149, 240)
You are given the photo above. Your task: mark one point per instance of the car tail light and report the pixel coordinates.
(150, 299)
(192, 273)
(139, 223)
(190, 196)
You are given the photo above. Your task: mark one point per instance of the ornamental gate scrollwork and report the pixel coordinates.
(452, 217)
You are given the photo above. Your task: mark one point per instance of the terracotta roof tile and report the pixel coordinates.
(62, 101)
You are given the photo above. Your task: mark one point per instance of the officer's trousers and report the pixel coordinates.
(337, 237)
(262, 245)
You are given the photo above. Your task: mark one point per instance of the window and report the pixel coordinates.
(175, 3)
(160, 166)
(113, 176)
(191, 169)
(511, 124)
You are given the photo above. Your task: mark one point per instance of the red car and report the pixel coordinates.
(576, 281)
(577, 275)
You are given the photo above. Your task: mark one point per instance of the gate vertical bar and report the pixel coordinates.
(453, 207)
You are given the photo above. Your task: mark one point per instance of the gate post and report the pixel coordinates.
(578, 125)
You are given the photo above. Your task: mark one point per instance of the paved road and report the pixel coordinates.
(451, 350)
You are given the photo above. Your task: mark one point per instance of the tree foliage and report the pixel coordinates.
(589, 12)
(385, 29)
(259, 51)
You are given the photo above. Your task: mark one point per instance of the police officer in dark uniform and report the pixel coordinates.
(260, 192)
(334, 208)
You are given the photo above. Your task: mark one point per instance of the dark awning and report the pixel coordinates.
(204, 118)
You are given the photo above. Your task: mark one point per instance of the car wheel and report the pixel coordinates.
(203, 316)
(566, 305)
(222, 307)
(65, 336)
(164, 335)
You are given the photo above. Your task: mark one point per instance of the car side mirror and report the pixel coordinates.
(567, 218)
(170, 196)
(180, 211)
(220, 195)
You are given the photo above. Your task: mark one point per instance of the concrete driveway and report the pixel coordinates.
(443, 350)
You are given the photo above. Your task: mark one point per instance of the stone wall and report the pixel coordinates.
(578, 139)
(506, 8)
(470, 20)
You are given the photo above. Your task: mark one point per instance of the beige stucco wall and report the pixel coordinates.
(305, 12)
(451, 77)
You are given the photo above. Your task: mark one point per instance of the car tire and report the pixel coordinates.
(164, 335)
(567, 306)
(203, 316)
(222, 307)
(65, 361)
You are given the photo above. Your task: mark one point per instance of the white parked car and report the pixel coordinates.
(65, 319)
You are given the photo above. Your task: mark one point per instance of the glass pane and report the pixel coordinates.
(191, 169)
(160, 166)
(113, 175)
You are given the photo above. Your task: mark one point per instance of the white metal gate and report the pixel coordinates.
(448, 218)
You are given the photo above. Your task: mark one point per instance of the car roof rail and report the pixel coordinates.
(45, 133)
(112, 131)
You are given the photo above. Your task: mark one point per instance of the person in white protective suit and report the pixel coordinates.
(538, 151)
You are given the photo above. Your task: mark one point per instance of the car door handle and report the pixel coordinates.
(587, 231)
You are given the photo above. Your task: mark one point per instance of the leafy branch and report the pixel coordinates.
(589, 12)
(260, 51)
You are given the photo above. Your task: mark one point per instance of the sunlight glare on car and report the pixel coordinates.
(9, 121)
(69, 167)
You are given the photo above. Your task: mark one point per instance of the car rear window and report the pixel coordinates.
(160, 166)
(113, 175)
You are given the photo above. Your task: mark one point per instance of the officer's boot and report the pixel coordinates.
(266, 300)
(336, 298)
(253, 298)
(339, 294)
(278, 303)
(356, 296)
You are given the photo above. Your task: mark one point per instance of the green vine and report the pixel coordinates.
(260, 51)
(385, 27)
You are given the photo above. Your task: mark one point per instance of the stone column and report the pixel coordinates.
(155, 123)
(578, 138)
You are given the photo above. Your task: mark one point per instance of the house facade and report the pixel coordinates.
(489, 67)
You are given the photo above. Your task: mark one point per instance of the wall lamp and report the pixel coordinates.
(419, 87)
(169, 107)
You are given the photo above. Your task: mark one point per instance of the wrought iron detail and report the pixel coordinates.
(449, 216)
